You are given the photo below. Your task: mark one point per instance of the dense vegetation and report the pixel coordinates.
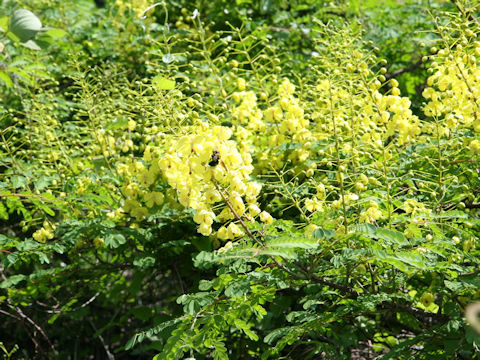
(239, 179)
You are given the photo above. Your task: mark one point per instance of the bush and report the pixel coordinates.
(238, 181)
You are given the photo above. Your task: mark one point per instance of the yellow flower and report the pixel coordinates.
(222, 233)
(427, 299)
(226, 247)
(313, 204)
(237, 203)
(204, 217)
(153, 198)
(225, 215)
(266, 217)
(139, 213)
(234, 231)
(205, 229)
(241, 84)
(253, 209)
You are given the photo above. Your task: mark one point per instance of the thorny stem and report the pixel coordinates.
(247, 230)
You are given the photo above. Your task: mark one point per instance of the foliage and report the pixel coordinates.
(236, 180)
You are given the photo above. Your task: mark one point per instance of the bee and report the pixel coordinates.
(214, 158)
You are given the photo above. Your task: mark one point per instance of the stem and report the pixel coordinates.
(247, 230)
(290, 194)
(387, 185)
(339, 173)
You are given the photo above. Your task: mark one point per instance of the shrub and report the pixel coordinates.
(199, 184)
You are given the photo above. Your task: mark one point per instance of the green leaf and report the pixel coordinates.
(205, 285)
(143, 261)
(42, 182)
(3, 212)
(43, 258)
(118, 123)
(3, 23)
(168, 58)
(291, 242)
(24, 25)
(162, 83)
(18, 181)
(238, 288)
(12, 281)
(5, 77)
(30, 44)
(55, 33)
(392, 235)
(42, 206)
(365, 229)
(415, 230)
(323, 234)
(392, 260)
(11, 259)
(454, 286)
(115, 240)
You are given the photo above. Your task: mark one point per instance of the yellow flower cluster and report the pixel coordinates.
(288, 114)
(211, 176)
(414, 207)
(378, 116)
(453, 89)
(105, 143)
(247, 113)
(395, 112)
(139, 195)
(44, 233)
(283, 122)
(208, 170)
(137, 6)
(292, 133)
(108, 145)
(372, 214)
(316, 202)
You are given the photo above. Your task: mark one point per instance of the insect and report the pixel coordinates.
(214, 158)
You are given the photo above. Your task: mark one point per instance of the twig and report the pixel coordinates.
(26, 318)
(473, 205)
(250, 234)
(418, 313)
(19, 311)
(8, 314)
(105, 346)
(409, 68)
(179, 277)
(469, 16)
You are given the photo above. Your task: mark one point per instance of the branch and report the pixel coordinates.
(333, 285)
(245, 227)
(345, 289)
(409, 68)
(105, 346)
(472, 205)
(417, 313)
(462, 11)
(26, 318)
(424, 316)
